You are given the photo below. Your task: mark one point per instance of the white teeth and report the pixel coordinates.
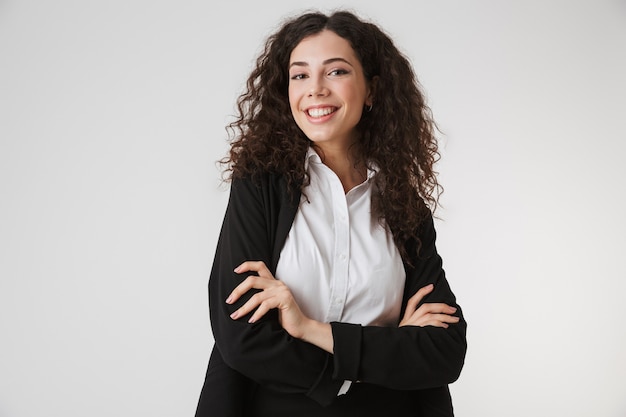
(319, 112)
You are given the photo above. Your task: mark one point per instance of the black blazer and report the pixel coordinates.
(253, 362)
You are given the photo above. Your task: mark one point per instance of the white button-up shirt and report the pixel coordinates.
(339, 262)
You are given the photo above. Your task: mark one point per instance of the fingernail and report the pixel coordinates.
(453, 309)
(229, 300)
(234, 315)
(252, 320)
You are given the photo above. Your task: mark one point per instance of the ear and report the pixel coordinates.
(371, 90)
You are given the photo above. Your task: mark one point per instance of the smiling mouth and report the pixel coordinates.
(321, 111)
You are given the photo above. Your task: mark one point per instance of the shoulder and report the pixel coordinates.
(267, 189)
(262, 183)
(422, 245)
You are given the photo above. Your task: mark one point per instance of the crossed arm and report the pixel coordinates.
(266, 338)
(275, 294)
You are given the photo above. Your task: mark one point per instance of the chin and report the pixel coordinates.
(319, 139)
(317, 136)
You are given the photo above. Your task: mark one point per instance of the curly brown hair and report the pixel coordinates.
(397, 136)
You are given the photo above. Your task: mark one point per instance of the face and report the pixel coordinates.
(327, 89)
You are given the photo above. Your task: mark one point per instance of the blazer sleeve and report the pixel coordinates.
(263, 351)
(225, 391)
(408, 357)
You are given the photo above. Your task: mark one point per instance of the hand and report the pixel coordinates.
(428, 314)
(274, 294)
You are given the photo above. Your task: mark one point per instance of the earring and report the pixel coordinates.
(369, 108)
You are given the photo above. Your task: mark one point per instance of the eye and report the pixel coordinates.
(298, 76)
(338, 71)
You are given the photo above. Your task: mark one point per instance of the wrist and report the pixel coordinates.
(308, 329)
(318, 334)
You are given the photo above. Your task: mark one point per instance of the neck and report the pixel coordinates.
(343, 164)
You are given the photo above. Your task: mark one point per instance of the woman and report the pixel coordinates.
(327, 295)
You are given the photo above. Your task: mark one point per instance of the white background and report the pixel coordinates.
(112, 116)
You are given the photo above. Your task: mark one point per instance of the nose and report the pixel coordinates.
(318, 87)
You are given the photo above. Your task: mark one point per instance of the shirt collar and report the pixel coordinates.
(313, 157)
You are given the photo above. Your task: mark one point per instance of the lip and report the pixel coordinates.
(320, 119)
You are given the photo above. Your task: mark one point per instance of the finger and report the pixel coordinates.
(416, 299)
(272, 297)
(443, 318)
(423, 292)
(264, 307)
(436, 320)
(246, 285)
(255, 301)
(437, 308)
(440, 320)
(255, 266)
(410, 307)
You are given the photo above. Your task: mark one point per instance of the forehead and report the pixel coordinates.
(321, 46)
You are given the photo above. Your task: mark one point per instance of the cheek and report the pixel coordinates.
(296, 114)
(293, 102)
(352, 92)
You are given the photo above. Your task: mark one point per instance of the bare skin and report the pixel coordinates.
(275, 294)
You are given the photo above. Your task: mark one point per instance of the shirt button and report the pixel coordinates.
(342, 257)
(337, 300)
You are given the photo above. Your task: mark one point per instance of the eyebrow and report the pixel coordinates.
(326, 62)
